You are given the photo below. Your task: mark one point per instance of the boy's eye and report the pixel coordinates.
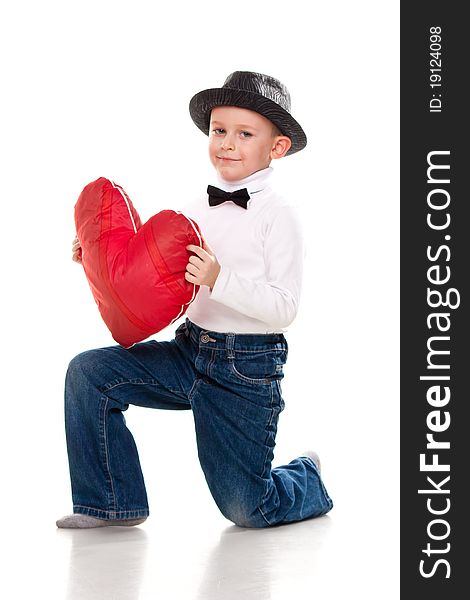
(246, 134)
(218, 130)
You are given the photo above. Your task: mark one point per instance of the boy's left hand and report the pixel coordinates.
(202, 269)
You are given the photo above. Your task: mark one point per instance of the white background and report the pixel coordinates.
(102, 88)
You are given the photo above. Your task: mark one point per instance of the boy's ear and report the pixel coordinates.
(281, 145)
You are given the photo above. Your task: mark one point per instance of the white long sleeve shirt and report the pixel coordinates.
(260, 251)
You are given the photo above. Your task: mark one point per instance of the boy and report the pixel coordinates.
(226, 360)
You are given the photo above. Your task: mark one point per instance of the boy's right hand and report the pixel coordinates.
(76, 251)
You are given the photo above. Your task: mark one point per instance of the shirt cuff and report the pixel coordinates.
(217, 291)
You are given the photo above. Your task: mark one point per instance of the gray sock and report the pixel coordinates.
(78, 521)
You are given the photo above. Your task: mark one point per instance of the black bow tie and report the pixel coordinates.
(217, 196)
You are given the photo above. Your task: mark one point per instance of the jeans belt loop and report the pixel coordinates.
(229, 344)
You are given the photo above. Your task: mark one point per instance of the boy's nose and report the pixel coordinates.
(228, 143)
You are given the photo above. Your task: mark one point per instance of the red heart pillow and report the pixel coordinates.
(136, 272)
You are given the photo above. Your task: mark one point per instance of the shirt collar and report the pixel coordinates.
(256, 182)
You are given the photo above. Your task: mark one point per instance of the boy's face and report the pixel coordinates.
(242, 142)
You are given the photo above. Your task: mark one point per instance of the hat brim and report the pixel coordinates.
(202, 103)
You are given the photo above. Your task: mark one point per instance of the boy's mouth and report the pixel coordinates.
(228, 159)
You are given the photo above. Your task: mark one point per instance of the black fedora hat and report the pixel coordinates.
(255, 91)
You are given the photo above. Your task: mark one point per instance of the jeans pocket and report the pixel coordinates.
(257, 367)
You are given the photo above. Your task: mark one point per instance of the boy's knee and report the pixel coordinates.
(79, 364)
(242, 516)
(82, 367)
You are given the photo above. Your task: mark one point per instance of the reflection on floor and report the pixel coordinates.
(141, 562)
(175, 555)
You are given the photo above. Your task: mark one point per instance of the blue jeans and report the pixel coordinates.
(232, 384)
